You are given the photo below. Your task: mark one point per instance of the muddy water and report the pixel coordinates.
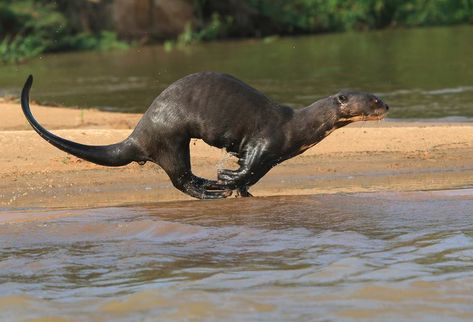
(383, 256)
(422, 73)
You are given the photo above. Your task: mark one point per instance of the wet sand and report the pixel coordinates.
(362, 157)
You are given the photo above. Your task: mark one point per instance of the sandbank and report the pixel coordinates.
(362, 157)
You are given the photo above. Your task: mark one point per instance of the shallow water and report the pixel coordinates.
(421, 73)
(379, 256)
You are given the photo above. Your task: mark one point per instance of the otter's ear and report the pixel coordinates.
(342, 99)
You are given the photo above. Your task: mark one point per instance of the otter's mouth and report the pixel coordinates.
(371, 117)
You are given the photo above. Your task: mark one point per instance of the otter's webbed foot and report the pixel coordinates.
(243, 192)
(233, 180)
(206, 189)
(201, 193)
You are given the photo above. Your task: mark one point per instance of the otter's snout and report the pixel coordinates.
(359, 106)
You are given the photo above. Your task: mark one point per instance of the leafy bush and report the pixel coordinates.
(20, 48)
(266, 17)
(31, 27)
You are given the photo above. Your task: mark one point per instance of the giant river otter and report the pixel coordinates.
(225, 113)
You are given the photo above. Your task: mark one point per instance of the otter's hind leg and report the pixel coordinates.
(175, 160)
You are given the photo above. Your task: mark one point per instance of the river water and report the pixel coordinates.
(372, 256)
(421, 73)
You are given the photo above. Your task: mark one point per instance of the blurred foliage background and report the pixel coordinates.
(29, 28)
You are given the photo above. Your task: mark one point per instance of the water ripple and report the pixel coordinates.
(341, 256)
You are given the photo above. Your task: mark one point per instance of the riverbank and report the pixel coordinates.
(361, 157)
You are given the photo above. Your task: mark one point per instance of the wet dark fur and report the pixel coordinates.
(225, 113)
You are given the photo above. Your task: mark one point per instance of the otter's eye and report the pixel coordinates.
(342, 99)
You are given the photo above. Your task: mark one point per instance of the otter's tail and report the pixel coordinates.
(109, 155)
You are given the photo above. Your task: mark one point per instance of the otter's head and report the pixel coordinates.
(358, 106)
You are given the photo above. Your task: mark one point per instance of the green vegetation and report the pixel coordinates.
(31, 27)
(216, 28)
(250, 18)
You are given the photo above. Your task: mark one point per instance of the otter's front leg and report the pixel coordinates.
(254, 164)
